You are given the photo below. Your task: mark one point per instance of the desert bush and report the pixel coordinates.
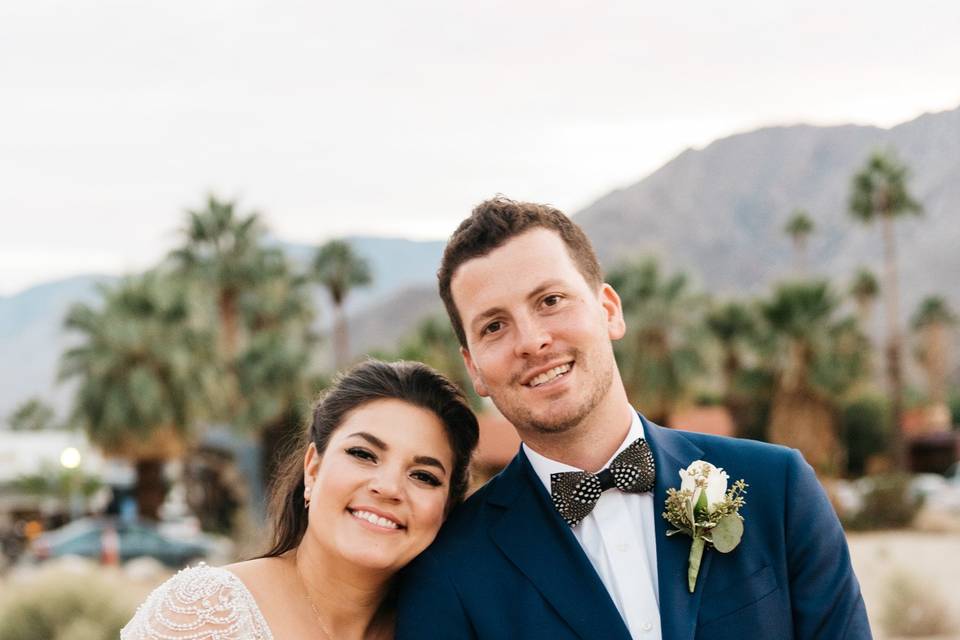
(863, 425)
(888, 503)
(911, 608)
(60, 604)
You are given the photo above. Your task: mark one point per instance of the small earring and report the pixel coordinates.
(306, 497)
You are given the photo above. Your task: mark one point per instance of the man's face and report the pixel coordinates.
(538, 335)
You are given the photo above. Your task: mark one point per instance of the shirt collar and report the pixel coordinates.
(544, 466)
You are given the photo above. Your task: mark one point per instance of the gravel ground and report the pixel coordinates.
(932, 562)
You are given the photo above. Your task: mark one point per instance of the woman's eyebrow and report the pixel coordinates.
(372, 439)
(429, 461)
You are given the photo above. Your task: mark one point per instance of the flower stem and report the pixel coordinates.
(696, 553)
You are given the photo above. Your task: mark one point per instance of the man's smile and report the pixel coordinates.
(550, 375)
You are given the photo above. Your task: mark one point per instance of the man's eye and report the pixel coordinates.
(426, 477)
(493, 327)
(552, 300)
(362, 454)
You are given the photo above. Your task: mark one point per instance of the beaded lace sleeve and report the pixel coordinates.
(199, 603)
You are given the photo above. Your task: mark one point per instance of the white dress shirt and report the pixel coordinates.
(619, 539)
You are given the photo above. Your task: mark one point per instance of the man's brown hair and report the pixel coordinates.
(491, 224)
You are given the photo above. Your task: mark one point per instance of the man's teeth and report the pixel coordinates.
(547, 376)
(373, 518)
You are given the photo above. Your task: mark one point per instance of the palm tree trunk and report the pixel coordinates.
(800, 249)
(894, 366)
(935, 362)
(151, 487)
(341, 341)
(228, 325)
(865, 319)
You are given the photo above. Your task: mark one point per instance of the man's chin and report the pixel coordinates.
(548, 423)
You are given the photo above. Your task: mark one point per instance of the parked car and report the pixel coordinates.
(952, 474)
(110, 539)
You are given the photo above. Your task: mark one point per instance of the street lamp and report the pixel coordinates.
(70, 459)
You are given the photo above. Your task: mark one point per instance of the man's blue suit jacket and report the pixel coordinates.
(505, 565)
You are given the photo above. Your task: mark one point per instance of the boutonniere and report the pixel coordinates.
(704, 509)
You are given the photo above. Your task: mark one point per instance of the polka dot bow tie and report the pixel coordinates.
(575, 493)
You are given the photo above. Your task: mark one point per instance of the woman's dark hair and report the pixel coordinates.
(372, 380)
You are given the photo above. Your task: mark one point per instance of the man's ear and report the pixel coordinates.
(478, 385)
(613, 308)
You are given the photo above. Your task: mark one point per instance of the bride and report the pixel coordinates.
(383, 461)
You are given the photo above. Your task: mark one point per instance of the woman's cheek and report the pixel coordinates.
(432, 510)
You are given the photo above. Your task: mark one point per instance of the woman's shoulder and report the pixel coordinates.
(197, 602)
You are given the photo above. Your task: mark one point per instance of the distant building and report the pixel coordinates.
(42, 454)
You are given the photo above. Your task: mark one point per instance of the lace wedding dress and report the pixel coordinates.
(199, 603)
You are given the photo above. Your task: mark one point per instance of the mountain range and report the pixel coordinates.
(718, 213)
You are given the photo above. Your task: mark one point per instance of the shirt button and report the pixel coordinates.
(623, 547)
(646, 627)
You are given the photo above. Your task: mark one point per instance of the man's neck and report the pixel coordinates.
(590, 444)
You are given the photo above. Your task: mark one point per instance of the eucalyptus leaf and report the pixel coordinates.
(726, 535)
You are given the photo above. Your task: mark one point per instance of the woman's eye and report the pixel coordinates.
(362, 454)
(551, 300)
(427, 477)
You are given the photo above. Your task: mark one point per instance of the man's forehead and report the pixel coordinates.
(513, 272)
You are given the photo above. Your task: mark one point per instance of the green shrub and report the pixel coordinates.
(60, 604)
(865, 432)
(888, 503)
(911, 608)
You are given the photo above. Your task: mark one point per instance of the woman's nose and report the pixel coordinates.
(387, 483)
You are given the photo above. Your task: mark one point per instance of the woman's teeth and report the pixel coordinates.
(547, 376)
(373, 518)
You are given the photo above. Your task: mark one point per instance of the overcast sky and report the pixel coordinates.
(394, 118)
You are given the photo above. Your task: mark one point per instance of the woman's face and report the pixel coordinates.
(378, 493)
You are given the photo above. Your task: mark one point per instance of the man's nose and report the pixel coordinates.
(532, 337)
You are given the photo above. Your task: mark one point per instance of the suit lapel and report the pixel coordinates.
(541, 545)
(678, 607)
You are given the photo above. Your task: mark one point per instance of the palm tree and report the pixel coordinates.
(222, 249)
(933, 319)
(434, 343)
(864, 289)
(799, 227)
(272, 369)
(661, 354)
(733, 325)
(339, 269)
(142, 375)
(816, 360)
(879, 192)
(32, 415)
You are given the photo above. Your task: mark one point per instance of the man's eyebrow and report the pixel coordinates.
(493, 311)
(372, 439)
(483, 317)
(430, 461)
(549, 284)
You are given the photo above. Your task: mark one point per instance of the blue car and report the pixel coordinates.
(107, 539)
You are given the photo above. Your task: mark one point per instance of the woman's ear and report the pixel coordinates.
(311, 466)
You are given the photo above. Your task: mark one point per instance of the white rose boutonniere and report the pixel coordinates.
(704, 509)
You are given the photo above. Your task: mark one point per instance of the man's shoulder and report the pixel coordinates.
(726, 450)
(469, 523)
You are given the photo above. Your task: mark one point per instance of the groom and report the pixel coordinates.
(525, 295)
